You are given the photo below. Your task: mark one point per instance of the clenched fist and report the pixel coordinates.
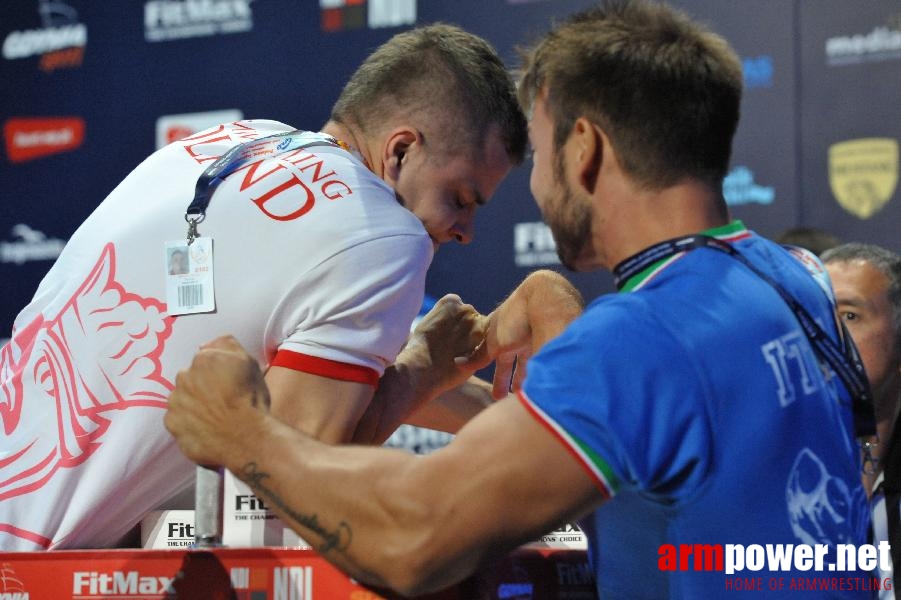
(217, 402)
(450, 330)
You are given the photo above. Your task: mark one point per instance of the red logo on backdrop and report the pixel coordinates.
(343, 15)
(177, 132)
(30, 138)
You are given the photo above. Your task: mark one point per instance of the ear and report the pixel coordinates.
(398, 144)
(587, 145)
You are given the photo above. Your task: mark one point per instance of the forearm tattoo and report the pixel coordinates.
(338, 540)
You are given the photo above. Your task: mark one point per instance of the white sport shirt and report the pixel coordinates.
(316, 267)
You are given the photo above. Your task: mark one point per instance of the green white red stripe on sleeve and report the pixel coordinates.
(597, 468)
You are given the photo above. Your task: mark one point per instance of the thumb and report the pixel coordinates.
(482, 355)
(475, 360)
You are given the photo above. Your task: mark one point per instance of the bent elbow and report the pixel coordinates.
(412, 576)
(418, 567)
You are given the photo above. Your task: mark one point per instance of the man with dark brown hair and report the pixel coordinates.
(687, 412)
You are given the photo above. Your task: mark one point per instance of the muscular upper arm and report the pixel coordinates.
(327, 409)
(505, 480)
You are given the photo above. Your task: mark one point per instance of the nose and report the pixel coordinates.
(464, 228)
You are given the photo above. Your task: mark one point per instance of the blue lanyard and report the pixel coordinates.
(239, 156)
(844, 361)
(634, 265)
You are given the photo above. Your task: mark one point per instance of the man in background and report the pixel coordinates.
(867, 282)
(810, 238)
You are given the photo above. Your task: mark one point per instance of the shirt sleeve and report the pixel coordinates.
(626, 400)
(354, 309)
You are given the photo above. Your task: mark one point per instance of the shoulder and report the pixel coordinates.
(814, 266)
(202, 148)
(628, 329)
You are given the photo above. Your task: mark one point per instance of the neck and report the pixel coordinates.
(887, 398)
(644, 218)
(356, 140)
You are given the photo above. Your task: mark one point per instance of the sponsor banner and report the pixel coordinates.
(419, 440)
(739, 187)
(59, 41)
(28, 138)
(173, 574)
(863, 174)
(164, 529)
(533, 245)
(248, 522)
(758, 71)
(29, 245)
(264, 574)
(882, 43)
(342, 15)
(166, 20)
(170, 128)
(534, 575)
(568, 536)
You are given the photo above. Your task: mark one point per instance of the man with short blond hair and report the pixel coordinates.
(310, 247)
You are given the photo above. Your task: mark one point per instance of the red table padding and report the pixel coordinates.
(265, 574)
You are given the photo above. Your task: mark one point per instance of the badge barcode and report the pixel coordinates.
(190, 296)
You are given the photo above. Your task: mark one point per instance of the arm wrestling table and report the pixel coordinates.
(267, 574)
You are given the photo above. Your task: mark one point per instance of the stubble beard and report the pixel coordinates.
(570, 221)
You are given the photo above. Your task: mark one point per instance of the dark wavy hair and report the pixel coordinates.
(666, 90)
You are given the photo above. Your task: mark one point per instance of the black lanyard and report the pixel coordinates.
(237, 157)
(844, 361)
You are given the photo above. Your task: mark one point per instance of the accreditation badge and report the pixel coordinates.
(189, 277)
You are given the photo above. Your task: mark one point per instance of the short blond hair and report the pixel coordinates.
(452, 80)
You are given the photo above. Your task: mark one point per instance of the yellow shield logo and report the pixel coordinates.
(863, 174)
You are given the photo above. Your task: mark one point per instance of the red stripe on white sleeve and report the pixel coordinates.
(325, 367)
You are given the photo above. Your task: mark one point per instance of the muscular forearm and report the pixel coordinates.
(454, 408)
(386, 517)
(425, 387)
(400, 400)
(399, 393)
(425, 370)
(371, 512)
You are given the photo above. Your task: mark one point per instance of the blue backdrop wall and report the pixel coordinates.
(91, 88)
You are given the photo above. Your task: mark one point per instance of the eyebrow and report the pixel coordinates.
(855, 301)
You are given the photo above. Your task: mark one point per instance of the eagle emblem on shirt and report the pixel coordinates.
(64, 376)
